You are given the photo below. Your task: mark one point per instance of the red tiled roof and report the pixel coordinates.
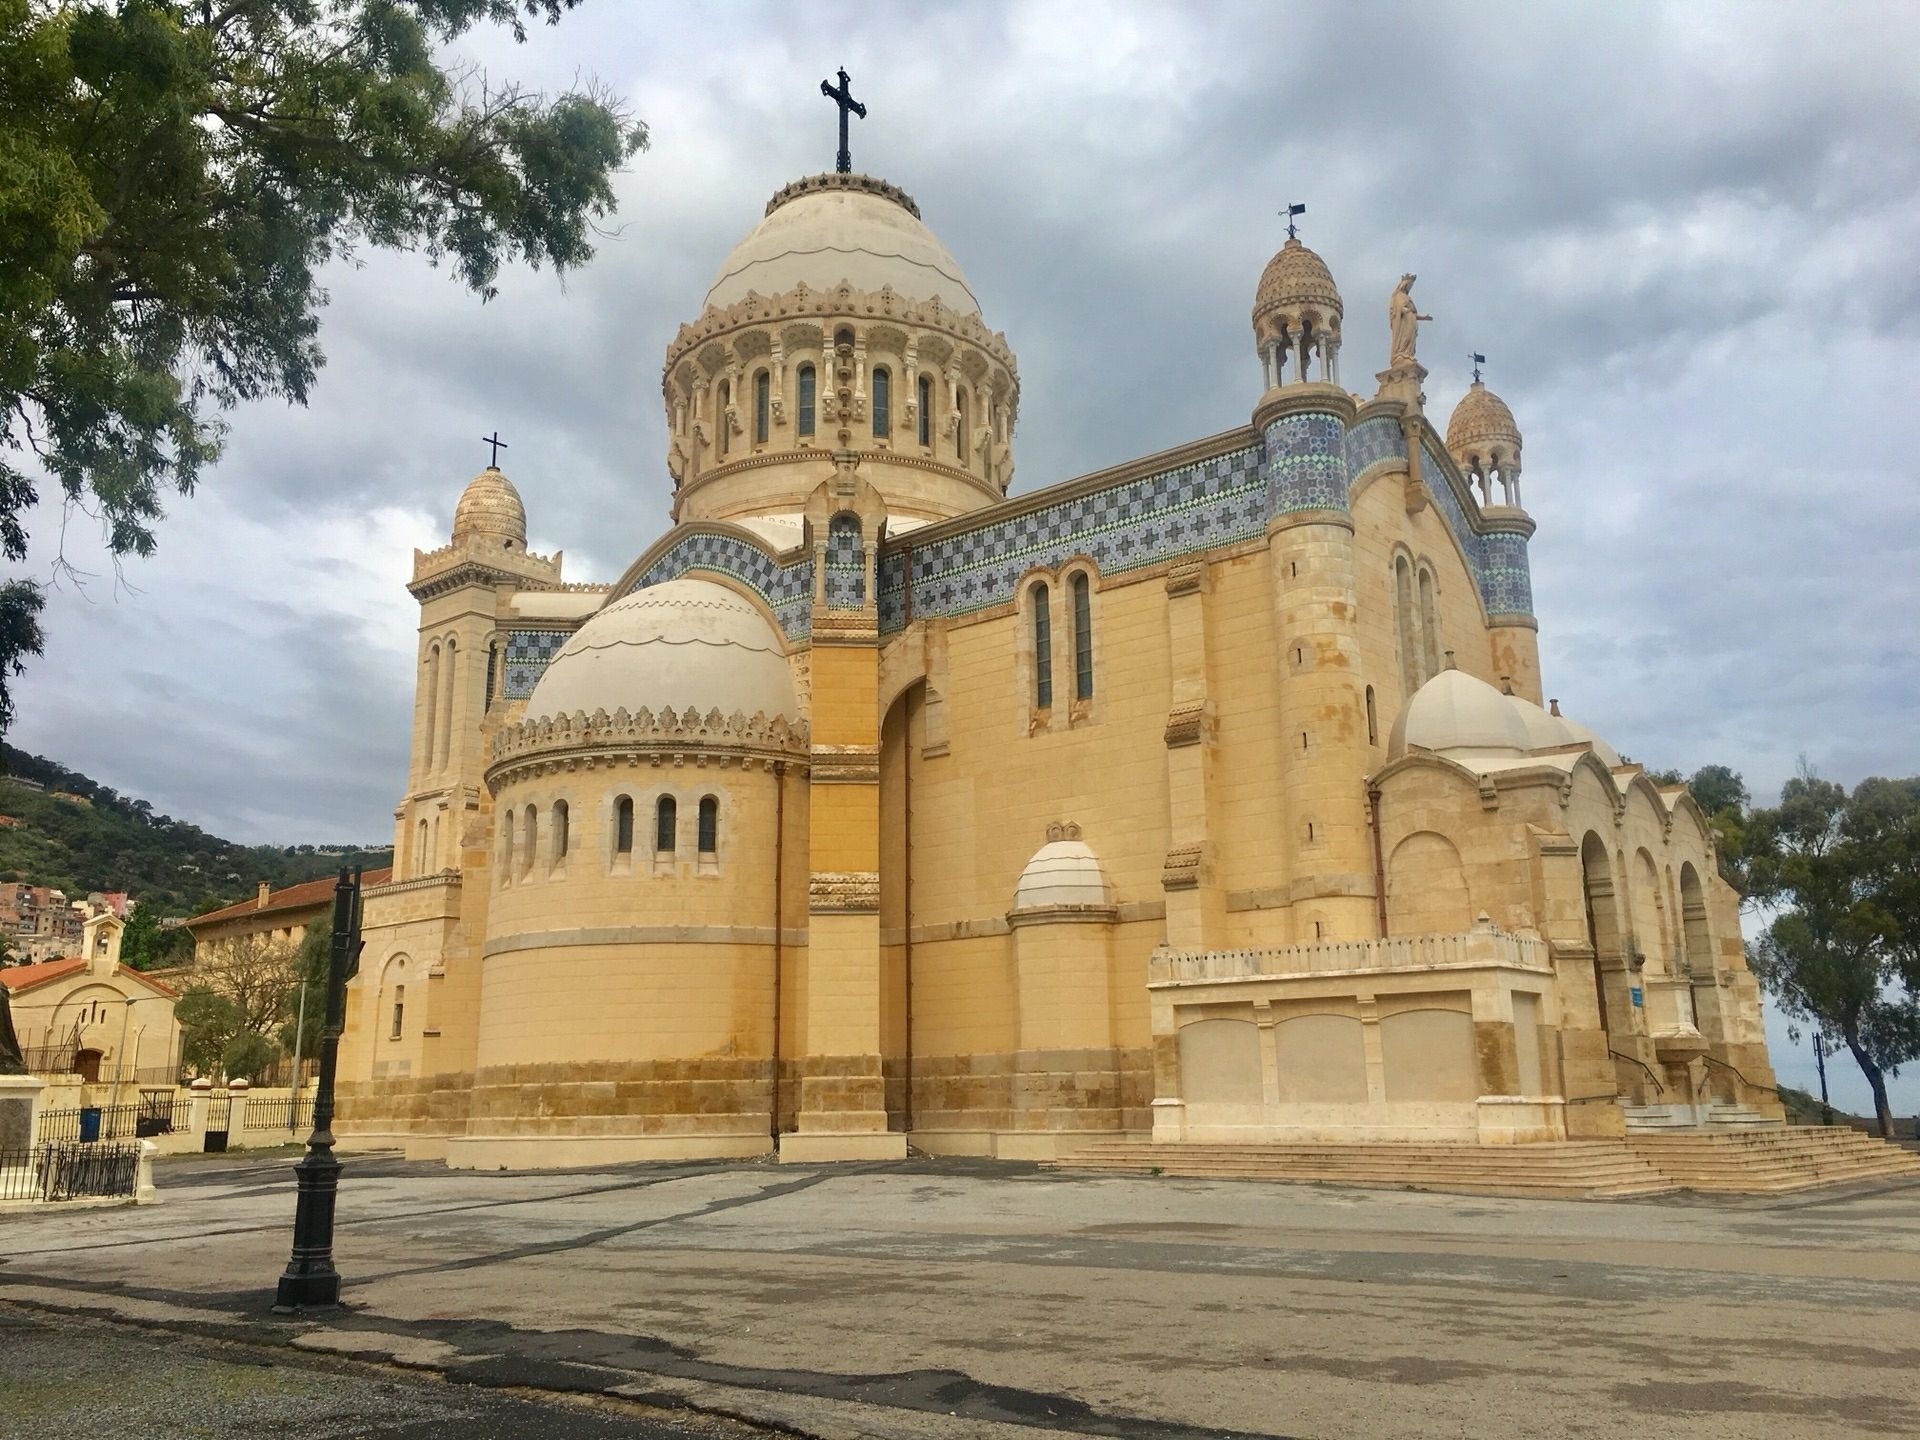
(294, 897)
(148, 981)
(22, 977)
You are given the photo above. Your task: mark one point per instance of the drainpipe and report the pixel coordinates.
(779, 922)
(1379, 862)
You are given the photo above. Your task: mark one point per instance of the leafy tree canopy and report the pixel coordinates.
(173, 175)
(1843, 874)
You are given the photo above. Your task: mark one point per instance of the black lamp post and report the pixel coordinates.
(310, 1279)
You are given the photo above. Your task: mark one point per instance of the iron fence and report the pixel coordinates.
(69, 1172)
(87, 1124)
(279, 1112)
(52, 1059)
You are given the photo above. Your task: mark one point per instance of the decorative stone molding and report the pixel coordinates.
(1181, 869)
(1187, 577)
(567, 741)
(846, 764)
(1063, 830)
(1190, 723)
(844, 892)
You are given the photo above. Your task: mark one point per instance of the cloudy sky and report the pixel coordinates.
(1685, 237)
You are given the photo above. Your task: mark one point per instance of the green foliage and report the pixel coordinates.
(311, 966)
(209, 1021)
(1840, 872)
(172, 177)
(144, 945)
(172, 867)
(246, 1055)
(1722, 795)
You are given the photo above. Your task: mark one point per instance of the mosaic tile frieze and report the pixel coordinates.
(525, 657)
(1136, 523)
(846, 587)
(1372, 441)
(1306, 463)
(1498, 562)
(787, 590)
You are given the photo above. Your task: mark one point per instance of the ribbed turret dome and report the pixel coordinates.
(682, 644)
(1482, 424)
(1298, 279)
(490, 509)
(828, 228)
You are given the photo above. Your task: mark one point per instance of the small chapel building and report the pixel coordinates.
(1211, 796)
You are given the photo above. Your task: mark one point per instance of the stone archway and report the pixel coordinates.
(1603, 923)
(86, 1064)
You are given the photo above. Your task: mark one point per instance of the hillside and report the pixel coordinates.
(115, 842)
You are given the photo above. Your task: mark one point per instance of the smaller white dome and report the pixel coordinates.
(683, 643)
(1454, 714)
(1607, 755)
(1544, 730)
(1063, 873)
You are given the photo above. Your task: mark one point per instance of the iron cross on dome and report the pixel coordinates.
(843, 97)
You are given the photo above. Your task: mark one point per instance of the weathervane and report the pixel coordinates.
(1478, 360)
(843, 97)
(1290, 212)
(498, 445)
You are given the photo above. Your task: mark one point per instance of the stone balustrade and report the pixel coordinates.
(1475, 948)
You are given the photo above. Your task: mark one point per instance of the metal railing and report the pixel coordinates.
(1636, 1060)
(279, 1112)
(73, 1126)
(69, 1172)
(52, 1059)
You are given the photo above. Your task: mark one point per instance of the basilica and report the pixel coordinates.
(1214, 796)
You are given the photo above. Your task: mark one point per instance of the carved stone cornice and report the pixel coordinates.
(1187, 577)
(1181, 869)
(846, 764)
(567, 742)
(844, 892)
(1190, 723)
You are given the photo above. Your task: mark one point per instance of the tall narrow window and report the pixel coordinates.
(1082, 637)
(422, 859)
(399, 1010)
(709, 824)
(666, 817)
(1042, 649)
(762, 404)
(623, 826)
(533, 840)
(493, 674)
(882, 404)
(1373, 725)
(560, 837)
(506, 848)
(1429, 624)
(960, 430)
(726, 420)
(1405, 626)
(803, 421)
(926, 411)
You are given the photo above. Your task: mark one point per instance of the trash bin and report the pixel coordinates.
(89, 1124)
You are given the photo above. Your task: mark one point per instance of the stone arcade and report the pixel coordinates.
(1209, 796)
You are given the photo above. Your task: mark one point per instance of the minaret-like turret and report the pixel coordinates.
(1485, 442)
(1296, 319)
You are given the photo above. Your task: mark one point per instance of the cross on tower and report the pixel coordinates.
(498, 445)
(1290, 212)
(1478, 360)
(843, 97)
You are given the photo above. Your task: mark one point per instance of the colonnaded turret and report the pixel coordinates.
(1207, 796)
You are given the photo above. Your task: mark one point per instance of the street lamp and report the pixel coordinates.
(310, 1279)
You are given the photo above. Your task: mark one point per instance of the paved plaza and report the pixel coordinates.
(953, 1298)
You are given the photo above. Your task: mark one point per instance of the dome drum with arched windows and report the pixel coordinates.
(839, 323)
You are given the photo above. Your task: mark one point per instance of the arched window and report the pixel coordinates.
(960, 430)
(882, 404)
(430, 683)
(926, 411)
(560, 838)
(1373, 725)
(623, 826)
(709, 824)
(803, 421)
(762, 404)
(1405, 626)
(399, 1010)
(1082, 637)
(1042, 649)
(843, 337)
(506, 847)
(1429, 624)
(666, 817)
(493, 674)
(532, 838)
(421, 859)
(726, 424)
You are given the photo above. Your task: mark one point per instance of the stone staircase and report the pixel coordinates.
(1580, 1169)
(1742, 1159)
(1773, 1160)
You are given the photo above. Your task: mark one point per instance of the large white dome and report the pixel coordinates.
(828, 228)
(685, 643)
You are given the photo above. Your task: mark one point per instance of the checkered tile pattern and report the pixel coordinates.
(527, 654)
(846, 587)
(1372, 441)
(1306, 463)
(1498, 562)
(787, 590)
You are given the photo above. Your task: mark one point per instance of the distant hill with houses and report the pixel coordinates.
(63, 829)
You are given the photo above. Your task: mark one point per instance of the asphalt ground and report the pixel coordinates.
(966, 1298)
